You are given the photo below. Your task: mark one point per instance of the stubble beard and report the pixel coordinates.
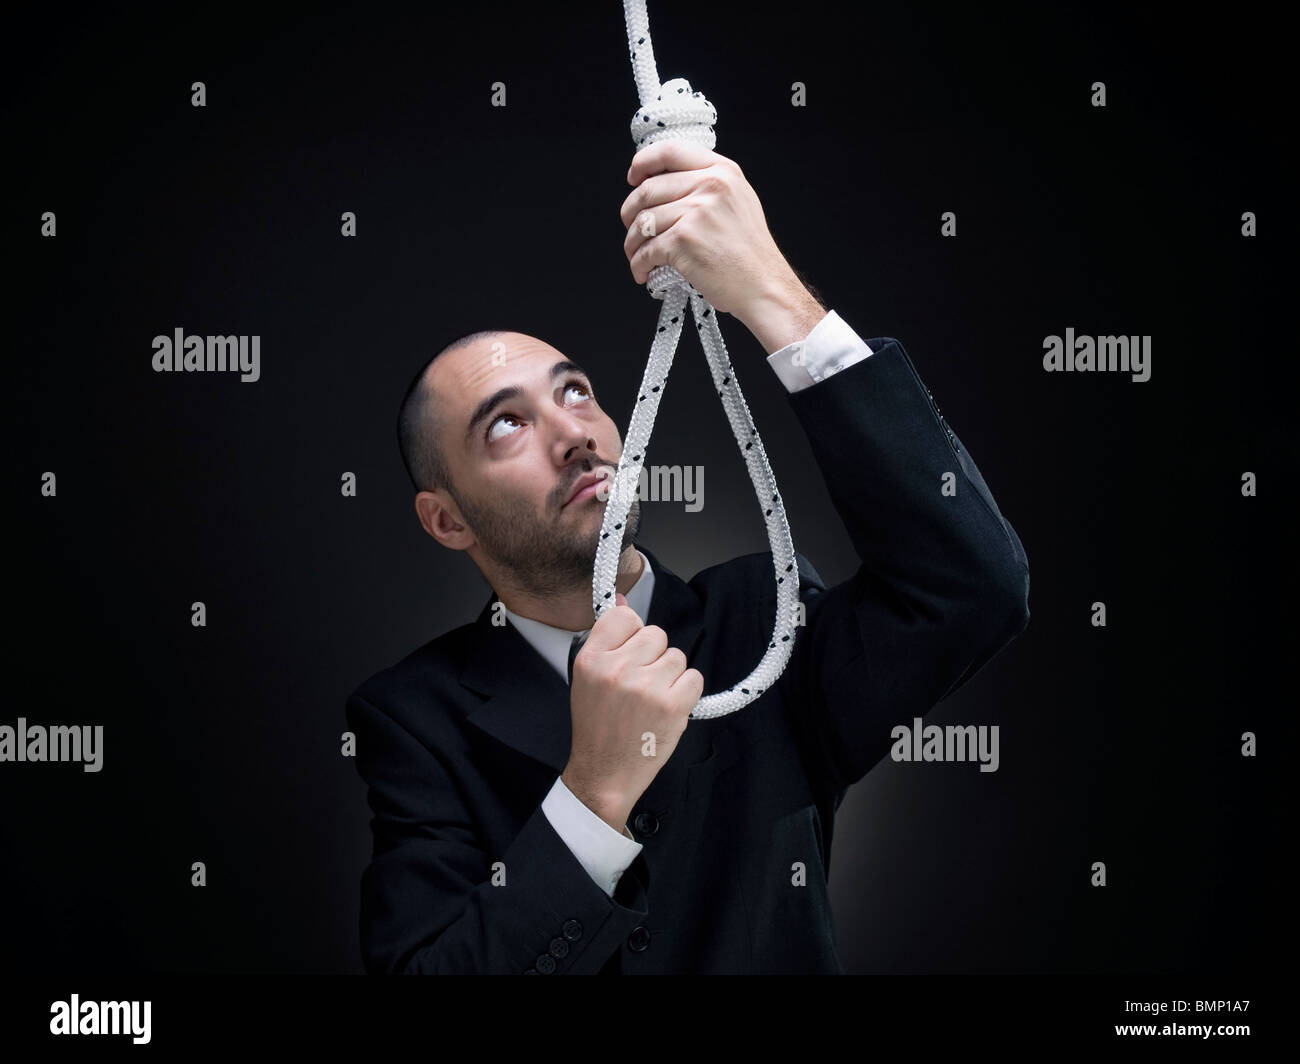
(542, 558)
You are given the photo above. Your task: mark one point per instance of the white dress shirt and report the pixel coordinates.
(605, 853)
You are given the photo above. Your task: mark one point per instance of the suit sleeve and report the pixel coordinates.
(832, 346)
(435, 901)
(602, 851)
(943, 582)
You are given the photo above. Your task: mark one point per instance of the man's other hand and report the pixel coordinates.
(630, 701)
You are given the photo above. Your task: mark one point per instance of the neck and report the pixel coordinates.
(571, 610)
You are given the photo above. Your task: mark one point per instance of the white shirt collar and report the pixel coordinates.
(553, 643)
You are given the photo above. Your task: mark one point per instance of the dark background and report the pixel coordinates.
(222, 743)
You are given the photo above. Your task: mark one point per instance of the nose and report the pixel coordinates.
(575, 452)
(572, 436)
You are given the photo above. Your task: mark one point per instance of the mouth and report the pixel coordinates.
(586, 487)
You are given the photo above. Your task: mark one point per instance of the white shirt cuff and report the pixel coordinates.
(829, 348)
(602, 851)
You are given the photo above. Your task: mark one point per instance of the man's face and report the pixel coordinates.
(521, 428)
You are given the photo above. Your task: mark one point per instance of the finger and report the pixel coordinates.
(620, 599)
(666, 155)
(656, 251)
(670, 664)
(613, 628)
(656, 190)
(647, 646)
(649, 224)
(691, 678)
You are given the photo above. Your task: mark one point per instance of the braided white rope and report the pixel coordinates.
(673, 110)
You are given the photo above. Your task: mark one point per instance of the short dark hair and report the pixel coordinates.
(417, 421)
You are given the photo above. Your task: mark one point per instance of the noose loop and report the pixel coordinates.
(673, 110)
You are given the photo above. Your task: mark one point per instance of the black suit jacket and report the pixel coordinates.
(461, 740)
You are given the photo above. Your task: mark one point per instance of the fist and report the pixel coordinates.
(693, 210)
(630, 701)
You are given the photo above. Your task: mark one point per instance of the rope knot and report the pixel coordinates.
(676, 113)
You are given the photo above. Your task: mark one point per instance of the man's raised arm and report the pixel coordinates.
(944, 580)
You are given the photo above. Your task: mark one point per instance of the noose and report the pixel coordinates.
(667, 111)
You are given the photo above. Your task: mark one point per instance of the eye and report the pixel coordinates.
(497, 421)
(580, 386)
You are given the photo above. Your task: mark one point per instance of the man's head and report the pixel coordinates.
(496, 430)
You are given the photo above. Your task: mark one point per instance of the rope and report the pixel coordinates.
(673, 110)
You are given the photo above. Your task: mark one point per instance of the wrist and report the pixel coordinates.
(782, 312)
(609, 806)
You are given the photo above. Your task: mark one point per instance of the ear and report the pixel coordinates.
(441, 518)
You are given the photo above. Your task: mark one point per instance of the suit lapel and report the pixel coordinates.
(527, 705)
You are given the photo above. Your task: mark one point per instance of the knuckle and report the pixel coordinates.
(713, 183)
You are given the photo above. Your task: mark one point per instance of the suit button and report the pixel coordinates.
(558, 948)
(638, 940)
(545, 964)
(572, 930)
(646, 823)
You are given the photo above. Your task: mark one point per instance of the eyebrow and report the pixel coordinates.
(513, 391)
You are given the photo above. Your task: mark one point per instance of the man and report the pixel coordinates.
(525, 823)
